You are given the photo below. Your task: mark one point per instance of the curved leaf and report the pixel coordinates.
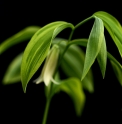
(115, 39)
(12, 74)
(94, 45)
(112, 22)
(37, 49)
(73, 87)
(113, 27)
(21, 36)
(102, 58)
(108, 18)
(72, 65)
(117, 67)
(115, 64)
(102, 55)
(82, 42)
(117, 71)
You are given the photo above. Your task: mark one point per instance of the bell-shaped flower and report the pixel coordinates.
(49, 66)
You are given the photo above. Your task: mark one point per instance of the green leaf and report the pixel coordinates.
(117, 42)
(113, 27)
(117, 67)
(102, 58)
(21, 36)
(72, 62)
(117, 71)
(73, 87)
(94, 45)
(12, 74)
(72, 65)
(82, 42)
(108, 18)
(119, 45)
(37, 49)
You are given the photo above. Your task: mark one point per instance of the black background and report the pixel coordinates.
(104, 105)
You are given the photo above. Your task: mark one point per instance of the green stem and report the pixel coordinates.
(113, 59)
(46, 111)
(82, 22)
(70, 37)
(65, 49)
(78, 25)
(71, 34)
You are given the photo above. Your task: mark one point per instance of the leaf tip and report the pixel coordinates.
(103, 74)
(24, 85)
(82, 77)
(24, 89)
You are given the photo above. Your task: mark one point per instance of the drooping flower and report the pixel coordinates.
(49, 66)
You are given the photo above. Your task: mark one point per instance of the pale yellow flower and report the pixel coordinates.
(49, 66)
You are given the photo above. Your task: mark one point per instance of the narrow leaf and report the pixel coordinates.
(117, 67)
(37, 49)
(72, 62)
(72, 65)
(112, 25)
(102, 58)
(82, 42)
(112, 22)
(115, 64)
(12, 74)
(108, 17)
(115, 39)
(73, 87)
(21, 36)
(117, 71)
(94, 45)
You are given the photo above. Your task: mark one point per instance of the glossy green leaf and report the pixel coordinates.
(113, 27)
(21, 36)
(72, 65)
(12, 74)
(94, 45)
(117, 67)
(37, 49)
(73, 87)
(112, 22)
(102, 58)
(117, 42)
(73, 61)
(117, 71)
(102, 55)
(108, 18)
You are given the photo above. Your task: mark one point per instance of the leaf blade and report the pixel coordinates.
(113, 26)
(115, 64)
(117, 67)
(115, 39)
(102, 58)
(12, 74)
(21, 36)
(93, 45)
(73, 87)
(72, 65)
(37, 49)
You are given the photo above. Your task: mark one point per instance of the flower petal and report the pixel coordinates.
(50, 64)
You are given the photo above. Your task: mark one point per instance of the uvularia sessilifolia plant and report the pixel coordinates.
(54, 52)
